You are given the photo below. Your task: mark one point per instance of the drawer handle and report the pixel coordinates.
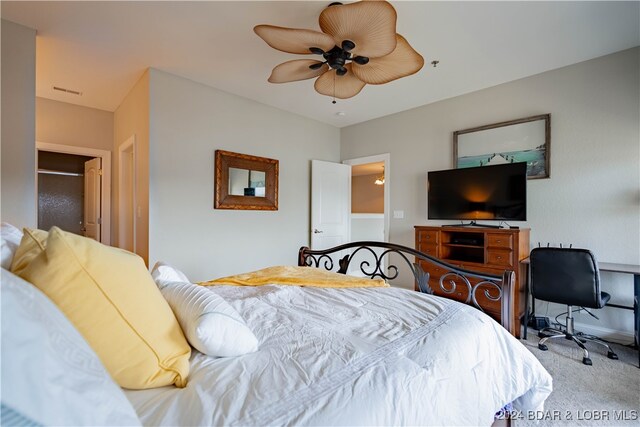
(499, 257)
(499, 241)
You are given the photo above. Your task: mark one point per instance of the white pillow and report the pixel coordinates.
(50, 375)
(210, 324)
(11, 237)
(164, 274)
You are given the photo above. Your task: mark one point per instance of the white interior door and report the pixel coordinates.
(330, 204)
(92, 197)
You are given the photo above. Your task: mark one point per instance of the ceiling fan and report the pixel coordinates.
(358, 45)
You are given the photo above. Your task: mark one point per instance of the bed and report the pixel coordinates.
(348, 356)
(371, 356)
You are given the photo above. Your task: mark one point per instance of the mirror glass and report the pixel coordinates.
(245, 182)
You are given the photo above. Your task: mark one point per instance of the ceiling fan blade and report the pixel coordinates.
(294, 40)
(295, 70)
(402, 62)
(370, 25)
(341, 87)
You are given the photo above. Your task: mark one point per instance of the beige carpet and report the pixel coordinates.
(600, 395)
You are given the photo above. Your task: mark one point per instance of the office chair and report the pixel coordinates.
(568, 276)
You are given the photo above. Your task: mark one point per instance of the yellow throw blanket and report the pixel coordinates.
(297, 276)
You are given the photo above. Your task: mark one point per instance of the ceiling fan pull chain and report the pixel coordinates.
(334, 87)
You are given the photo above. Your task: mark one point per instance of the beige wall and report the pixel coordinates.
(189, 122)
(366, 197)
(592, 198)
(67, 124)
(18, 124)
(131, 118)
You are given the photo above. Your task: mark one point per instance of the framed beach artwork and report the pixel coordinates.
(523, 140)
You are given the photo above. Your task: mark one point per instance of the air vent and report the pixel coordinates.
(71, 91)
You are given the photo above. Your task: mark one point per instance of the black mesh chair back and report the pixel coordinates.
(566, 276)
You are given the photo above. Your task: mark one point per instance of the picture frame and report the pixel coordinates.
(521, 140)
(258, 186)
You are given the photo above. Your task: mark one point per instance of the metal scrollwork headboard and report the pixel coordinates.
(371, 263)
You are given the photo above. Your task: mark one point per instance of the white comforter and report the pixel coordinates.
(374, 356)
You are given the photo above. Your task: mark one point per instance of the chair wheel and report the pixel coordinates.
(543, 347)
(586, 361)
(612, 355)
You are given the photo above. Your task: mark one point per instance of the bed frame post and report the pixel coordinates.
(508, 296)
(301, 253)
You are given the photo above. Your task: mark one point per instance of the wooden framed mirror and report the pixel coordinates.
(245, 182)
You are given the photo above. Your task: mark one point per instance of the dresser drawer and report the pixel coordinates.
(427, 237)
(499, 240)
(429, 249)
(503, 257)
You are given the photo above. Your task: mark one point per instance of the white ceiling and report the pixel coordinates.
(102, 48)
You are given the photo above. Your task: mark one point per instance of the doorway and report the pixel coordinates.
(73, 190)
(370, 183)
(127, 178)
(369, 206)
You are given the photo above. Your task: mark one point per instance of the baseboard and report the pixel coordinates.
(621, 337)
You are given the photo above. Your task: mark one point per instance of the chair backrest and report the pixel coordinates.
(566, 276)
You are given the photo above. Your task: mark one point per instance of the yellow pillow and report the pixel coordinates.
(110, 297)
(32, 244)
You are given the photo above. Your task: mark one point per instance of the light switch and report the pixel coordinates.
(398, 214)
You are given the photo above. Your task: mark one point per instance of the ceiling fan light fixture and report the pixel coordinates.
(361, 60)
(359, 46)
(347, 45)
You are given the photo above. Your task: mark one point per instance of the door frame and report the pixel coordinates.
(386, 158)
(129, 143)
(105, 182)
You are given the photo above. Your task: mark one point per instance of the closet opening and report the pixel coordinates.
(71, 189)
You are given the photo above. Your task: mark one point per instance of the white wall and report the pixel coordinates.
(18, 124)
(593, 196)
(189, 121)
(67, 124)
(131, 118)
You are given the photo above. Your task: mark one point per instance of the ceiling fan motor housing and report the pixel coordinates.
(338, 56)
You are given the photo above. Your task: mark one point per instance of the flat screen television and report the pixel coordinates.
(481, 193)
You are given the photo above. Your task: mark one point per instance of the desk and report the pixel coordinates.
(602, 266)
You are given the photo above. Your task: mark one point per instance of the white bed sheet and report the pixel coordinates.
(368, 356)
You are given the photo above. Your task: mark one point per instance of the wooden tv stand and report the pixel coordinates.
(486, 250)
